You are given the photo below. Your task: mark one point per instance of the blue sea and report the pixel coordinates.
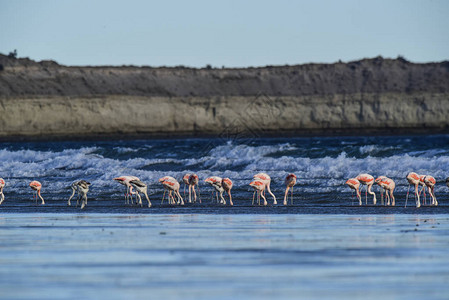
(324, 246)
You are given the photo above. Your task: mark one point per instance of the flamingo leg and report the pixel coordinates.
(272, 195)
(178, 196)
(423, 189)
(434, 197)
(199, 193)
(372, 193)
(264, 200)
(230, 198)
(73, 193)
(418, 203)
(253, 197)
(84, 201)
(292, 196)
(194, 194)
(190, 194)
(286, 195)
(222, 200)
(366, 194)
(163, 196)
(392, 197)
(406, 198)
(359, 196)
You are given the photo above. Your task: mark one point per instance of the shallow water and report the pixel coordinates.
(323, 246)
(207, 256)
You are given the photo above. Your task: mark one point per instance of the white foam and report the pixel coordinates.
(58, 169)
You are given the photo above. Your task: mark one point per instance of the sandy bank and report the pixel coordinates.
(231, 116)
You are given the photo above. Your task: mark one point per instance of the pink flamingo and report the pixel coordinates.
(125, 180)
(354, 184)
(37, 186)
(2, 185)
(193, 181)
(227, 186)
(172, 185)
(259, 187)
(290, 181)
(161, 180)
(382, 189)
(421, 182)
(82, 187)
(185, 179)
(267, 181)
(413, 179)
(216, 183)
(388, 185)
(430, 181)
(367, 180)
(141, 188)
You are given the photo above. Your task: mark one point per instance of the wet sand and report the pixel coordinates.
(223, 256)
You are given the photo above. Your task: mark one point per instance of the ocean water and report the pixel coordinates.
(322, 166)
(323, 247)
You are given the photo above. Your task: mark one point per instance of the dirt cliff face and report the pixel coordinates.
(23, 77)
(384, 95)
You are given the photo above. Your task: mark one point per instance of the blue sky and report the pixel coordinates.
(229, 33)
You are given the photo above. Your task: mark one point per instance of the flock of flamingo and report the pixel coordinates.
(261, 182)
(388, 185)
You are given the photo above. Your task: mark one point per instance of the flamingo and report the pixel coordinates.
(430, 183)
(82, 187)
(267, 181)
(193, 181)
(421, 182)
(185, 179)
(413, 179)
(388, 185)
(227, 186)
(259, 187)
(216, 183)
(125, 180)
(36, 186)
(170, 197)
(354, 184)
(367, 180)
(173, 186)
(141, 188)
(290, 181)
(382, 189)
(2, 185)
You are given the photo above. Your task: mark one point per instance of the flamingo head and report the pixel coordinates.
(35, 185)
(257, 184)
(353, 183)
(163, 178)
(380, 179)
(291, 175)
(185, 178)
(193, 179)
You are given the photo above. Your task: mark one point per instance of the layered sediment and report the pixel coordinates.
(48, 100)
